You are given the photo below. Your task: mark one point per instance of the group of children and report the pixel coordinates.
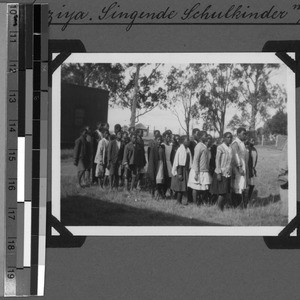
(197, 168)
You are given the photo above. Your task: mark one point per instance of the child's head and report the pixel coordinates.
(105, 126)
(84, 131)
(209, 140)
(252, 141)
(176, 138)
(98, 125)
(202, 136)
(159, 139)
(227, 137)
(168, 138)
(156, 133)
(133, 137)
(184, 141)
(195, 134)
(88, 129)
(125, 135)
(117, 128)
(119, 135)
(105, 134)
(140, 132)
(241, 133)
(131, 129)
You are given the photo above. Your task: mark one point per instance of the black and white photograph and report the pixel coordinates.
(173, 144)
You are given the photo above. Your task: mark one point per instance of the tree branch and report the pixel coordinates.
(123, 100)
(148, 110)
(153, 71)
(175, 113)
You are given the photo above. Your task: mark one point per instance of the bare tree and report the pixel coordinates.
(183, 86)
(256, 91)
(219, 94)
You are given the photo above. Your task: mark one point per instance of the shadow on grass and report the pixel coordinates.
(263, 201)
(86, 211)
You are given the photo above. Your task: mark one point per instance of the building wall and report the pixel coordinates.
(80, 106)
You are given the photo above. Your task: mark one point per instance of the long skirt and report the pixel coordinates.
(82, 165)
(160, 173)
(238, 182)
(204, 180)
(220, 187)
(169, 166)
(180, 185)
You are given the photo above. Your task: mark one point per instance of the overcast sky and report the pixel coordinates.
(164, 119)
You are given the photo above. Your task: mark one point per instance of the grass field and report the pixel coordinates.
(92, 206)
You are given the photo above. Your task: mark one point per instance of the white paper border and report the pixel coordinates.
(172, 58)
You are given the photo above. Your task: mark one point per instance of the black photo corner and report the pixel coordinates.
(65, 239)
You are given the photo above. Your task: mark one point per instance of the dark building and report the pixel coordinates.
(80, 106)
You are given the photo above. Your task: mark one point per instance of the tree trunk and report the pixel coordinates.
(187, 123)
(221, 133)
(253, 116)
(222, 124)
(135, 96)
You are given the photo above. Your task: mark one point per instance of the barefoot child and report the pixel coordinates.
(82, 159)
(222, 174)
(180, 169)
(129, 163)
(199, 177)
(101, 157)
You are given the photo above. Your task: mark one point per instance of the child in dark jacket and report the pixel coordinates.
(157, 168)
(82, 156)
(131, 169)
(114, 158)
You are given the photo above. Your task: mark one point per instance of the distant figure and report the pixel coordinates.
(283, 180)
(96, 136)
(125, 137)
(125, 140)
(209, 142)
(194, 141)
(105, 126)
(192, 144)
(162, 174)
(82, 158)
(101, 157)
(90, 149)
(140, 158)
(130, 168)
(151, 144)
(180, 169)
(221, 177)
(239, 169)
(157, 167)
(156, 133)
(117, 128)
(131, 130)
(199, 177)
(212, 161)
(115, 157)
(168, 150)
(212, 166)
(175, 146)
(252, 162)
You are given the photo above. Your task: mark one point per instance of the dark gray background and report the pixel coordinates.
(173, 267)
